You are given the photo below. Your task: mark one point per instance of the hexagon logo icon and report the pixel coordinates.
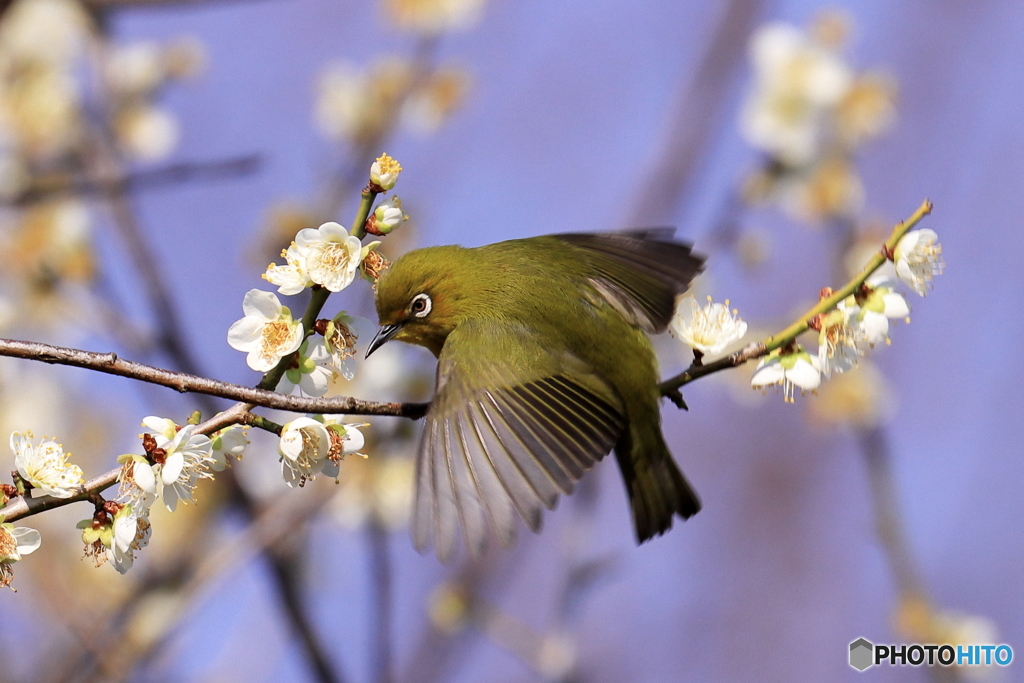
(861, 654)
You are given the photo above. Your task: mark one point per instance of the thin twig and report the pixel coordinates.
(670, 387)
(698, 112)
(110, 364)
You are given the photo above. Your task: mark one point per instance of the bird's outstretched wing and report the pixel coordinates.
(639, 272)
(512, 425)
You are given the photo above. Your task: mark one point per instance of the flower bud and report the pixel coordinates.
(384, 173)
(386, 217)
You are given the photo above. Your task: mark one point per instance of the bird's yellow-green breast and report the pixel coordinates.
(544, 367)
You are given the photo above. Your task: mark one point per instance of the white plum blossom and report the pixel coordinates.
(292, 277)
(181, 460)
(791, 371)
(918, 259)
(708, 329)
(387, 216)
(227, 442)
(837, 343)
(147, 132)
(332, 255)
(304, 446)
(340, 107)
(136, 69)
(432, 17)
(131, 531)
(116, 540)
(313, 373)
(384, 172)
(137, 481)
(797, 81)
(872, 315)
(326, 256)
(341, 336)
(346, 439)
(15, 543)
(311, 446)
(46, 466)
(267, 332)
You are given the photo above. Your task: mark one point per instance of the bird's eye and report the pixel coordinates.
(420, 306)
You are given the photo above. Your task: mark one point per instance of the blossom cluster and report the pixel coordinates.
(358, 105)
(328, 257)
(316, 445)
(861, 320)
(808, 111)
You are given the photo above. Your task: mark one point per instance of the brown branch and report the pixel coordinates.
(24, 506)
(110, 364)
(670, 387)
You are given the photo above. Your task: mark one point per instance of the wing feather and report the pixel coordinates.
(520, 490)
(525, 439)
(520, 455)
(467, 491)
(499, 506)
(422, 525)
(500, 441)
(640, 273)
(446, 512)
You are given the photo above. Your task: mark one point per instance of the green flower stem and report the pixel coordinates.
(670, 387)
(358, 228)
(260, 422)
(319, 295)
(851, 287)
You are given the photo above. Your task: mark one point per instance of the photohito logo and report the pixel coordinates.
(865, 654)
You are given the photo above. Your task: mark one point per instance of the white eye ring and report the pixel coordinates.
(421, 305)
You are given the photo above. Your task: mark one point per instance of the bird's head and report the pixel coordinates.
(422, 297)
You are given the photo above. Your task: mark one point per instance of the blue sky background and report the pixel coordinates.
(570, 106)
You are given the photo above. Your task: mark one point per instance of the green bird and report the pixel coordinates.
(544, 366)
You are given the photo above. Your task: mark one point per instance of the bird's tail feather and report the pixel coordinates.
(657, 489)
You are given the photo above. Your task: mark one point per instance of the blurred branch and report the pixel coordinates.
(62, 185)
(891, 534)
(110, 364)
(381, 573)
(196, 569)
(887, 515)
(699, 111)
(353, 174)
(670, 387)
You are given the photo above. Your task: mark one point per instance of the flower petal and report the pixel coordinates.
(804, 375)
(172, 467)
(28, 540)
(353, 441)
(260, 304)
(144, 476)
(768, 372)
(895, 305)
(246, 334)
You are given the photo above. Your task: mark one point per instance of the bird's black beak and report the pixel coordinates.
(384, 334)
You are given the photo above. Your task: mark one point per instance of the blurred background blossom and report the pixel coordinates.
(155, 156)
